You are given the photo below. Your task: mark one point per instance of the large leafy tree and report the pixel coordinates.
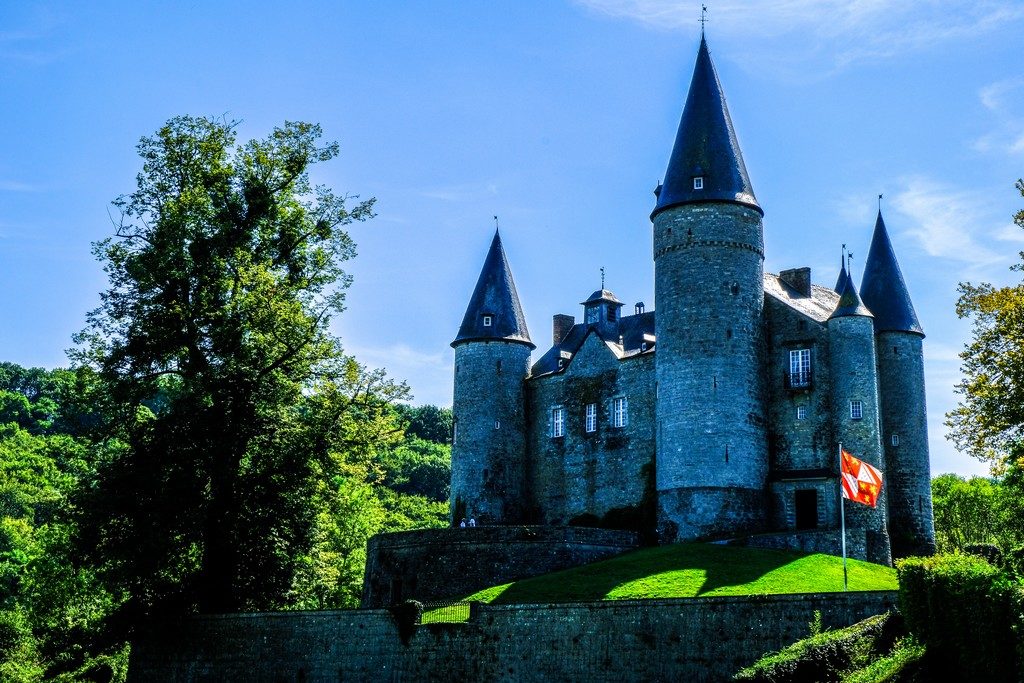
(989, 421)
(233, 404)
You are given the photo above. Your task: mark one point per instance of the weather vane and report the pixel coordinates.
(703, 17)
(602, 277)
(879, 202)
(495, 222)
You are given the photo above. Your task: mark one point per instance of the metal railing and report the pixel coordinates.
(803, 379)
(445, 613)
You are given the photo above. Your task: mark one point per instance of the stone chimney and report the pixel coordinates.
(560, 326)
(799, 279)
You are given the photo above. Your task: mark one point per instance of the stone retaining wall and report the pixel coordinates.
(700, 639)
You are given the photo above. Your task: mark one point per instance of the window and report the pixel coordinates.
(643, 346)
(895, 439)
(611, 314)
(593, 314)
(497, 424)
(619, 411)
(800, 368)
(488, 319)
(557, 421)
(591, 417)
(698, 182)
(801, 412)
(455, 431)
(856, 410)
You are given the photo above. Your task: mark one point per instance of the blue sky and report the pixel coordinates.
(557, 116)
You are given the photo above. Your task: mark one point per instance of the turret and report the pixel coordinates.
(855, 411)
(711, 462)
(492, 358)
(901, 382)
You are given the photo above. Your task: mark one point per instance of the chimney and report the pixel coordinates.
(799, 279)
(560, 326)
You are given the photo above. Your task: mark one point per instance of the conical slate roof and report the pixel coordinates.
(842, 280)
(705, 147)
(883, 288)
(850, 303)
(495, 296)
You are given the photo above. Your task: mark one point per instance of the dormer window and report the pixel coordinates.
(488, 319)
(698, 182)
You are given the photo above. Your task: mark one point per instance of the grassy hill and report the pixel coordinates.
(690, 570)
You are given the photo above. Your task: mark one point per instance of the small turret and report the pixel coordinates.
(855, 410)
(492, 358)
(899, 338)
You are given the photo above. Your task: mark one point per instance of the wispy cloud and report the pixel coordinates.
(17, 186)
(844, 31)
(1003, 100)
(35, 43)
(428, 374)
(944, 221)
(460, 193)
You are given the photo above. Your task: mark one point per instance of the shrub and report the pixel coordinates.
(963, 610)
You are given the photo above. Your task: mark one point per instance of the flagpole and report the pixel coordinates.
(842, 518)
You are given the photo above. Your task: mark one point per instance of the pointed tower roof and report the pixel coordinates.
(706, 148)
(884, 290)
(843, 276)
(494, 302)
(850, 303)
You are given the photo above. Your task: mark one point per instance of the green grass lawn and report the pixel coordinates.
(690, 570)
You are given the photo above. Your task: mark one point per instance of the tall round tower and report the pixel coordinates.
(901, 385)
(855, 411)
(712, 457)
(492, 359)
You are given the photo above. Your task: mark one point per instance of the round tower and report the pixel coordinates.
(492, 359)
(712, 458)
(901, 385)
(855, 413)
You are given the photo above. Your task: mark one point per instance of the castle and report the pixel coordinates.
(716, 416)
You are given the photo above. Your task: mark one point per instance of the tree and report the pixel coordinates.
(966, 511)
(989, 421)
(230, 401)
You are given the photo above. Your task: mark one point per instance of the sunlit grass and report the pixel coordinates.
(692, 570)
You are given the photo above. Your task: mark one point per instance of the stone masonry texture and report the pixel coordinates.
(700, 639)
(711, 422)
(901, 384)
(436, 564)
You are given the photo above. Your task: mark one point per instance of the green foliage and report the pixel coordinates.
(19, 660)
(989, 421)
(419, 467)
(430, 423)
(965, 510)
(826, 656)
(232, 400)
(966, 612)
(686, 570)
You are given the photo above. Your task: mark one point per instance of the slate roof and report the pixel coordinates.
(883, 288)
(818, 307)
(601, 295)
(842, 279)
(495, 295)
(850, 303)
(705, 146)
(634, 330)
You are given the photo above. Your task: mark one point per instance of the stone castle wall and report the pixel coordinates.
(434, 564)
(701, 639)
(904, 415)
(712, 422)
(604, 476)
(489, 445)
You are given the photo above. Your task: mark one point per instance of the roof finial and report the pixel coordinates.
(495, 224)
(879, 203)
(843, 258)
(602, 277)
(849, 264)
(703, 18)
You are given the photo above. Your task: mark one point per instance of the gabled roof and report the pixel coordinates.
(495, 295)
(705, 146)
(818, 306)
(883, 289)
(850, 303)
(635, 330)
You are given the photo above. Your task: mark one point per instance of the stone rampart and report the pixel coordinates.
(700, 639)
(434, 564)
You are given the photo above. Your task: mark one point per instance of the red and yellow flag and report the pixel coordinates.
(861, 482)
